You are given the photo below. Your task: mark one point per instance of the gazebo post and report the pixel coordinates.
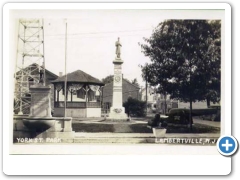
(54, 99)
(86, 96)
(54, 95)
(67, 94)
(57, 96)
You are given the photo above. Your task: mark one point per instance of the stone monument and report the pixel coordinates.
(40, 117)
(117, 111)
(40, 123)
(40, 101)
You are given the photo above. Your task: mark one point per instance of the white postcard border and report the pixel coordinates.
(16, 164)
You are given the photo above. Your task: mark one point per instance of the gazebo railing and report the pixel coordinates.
(60, 104)
(93, 104)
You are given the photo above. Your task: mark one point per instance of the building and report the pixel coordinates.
(152, 96)
(82, 95)
(195, 105)
(32, 77)
(165, 103)
(161, 103)
(128, 90)
(157, 102)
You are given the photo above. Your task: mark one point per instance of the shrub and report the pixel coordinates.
(158, 121)
(135, 107)
(218, 116)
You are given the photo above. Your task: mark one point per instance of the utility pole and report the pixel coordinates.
(146, 77)
(146, 86)
(65, 82)
(165, 99)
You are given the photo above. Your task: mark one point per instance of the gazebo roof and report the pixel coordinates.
(79, 77)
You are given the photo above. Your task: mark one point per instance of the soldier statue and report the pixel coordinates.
(118, 48)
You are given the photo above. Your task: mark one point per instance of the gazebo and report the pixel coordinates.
(83, 95)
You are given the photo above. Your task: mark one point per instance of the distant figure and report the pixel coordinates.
(118, 48)
(183, 119)
(41, 76)
(129, 118)
(157, 121)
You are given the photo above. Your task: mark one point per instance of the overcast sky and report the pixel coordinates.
(92, 35)
(91, 42)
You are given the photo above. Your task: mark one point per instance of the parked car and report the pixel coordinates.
(213, 117)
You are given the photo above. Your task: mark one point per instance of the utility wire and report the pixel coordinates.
(106, 32)
(97, 36)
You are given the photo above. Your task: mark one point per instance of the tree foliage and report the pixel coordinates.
(107, 79)
(135, 107)
(185, 59)
(135, 82)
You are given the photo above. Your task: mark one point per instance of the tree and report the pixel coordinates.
(181, 63)
(214, 56)
(135, 82)
(135, 107)
(107, 79)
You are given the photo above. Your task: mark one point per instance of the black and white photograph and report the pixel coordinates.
(117, 76)
(118, 79)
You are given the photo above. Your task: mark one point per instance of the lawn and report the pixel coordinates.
(139, 128)
(116, 128)
(196, 128)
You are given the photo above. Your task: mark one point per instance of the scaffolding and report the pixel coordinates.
(30, 62)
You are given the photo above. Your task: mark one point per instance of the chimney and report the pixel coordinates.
(60, 74)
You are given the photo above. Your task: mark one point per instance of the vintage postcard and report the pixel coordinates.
(133, 79)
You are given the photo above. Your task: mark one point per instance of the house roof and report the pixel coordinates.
(111, 83)
(131, 83)
(35, 65)
(149, 88)
(51, 73)
(79, 77)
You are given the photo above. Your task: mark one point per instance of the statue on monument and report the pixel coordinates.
(118, 48)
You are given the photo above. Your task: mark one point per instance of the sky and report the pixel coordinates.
(91, 37)
(91, 42)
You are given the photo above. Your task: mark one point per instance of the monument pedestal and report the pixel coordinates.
(40, 122)
(117, 111)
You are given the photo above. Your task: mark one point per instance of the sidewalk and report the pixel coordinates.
(206, 122)
(144, 135)
(132, 138)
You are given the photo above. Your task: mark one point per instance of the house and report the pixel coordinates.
(128, 90)
(151, 96)
(157, 102)
(23, 82)
(195, 105)
(161, 103)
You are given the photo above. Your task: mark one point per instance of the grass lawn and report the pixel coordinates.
(117, 128)
(196, 128)
(139, 128)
